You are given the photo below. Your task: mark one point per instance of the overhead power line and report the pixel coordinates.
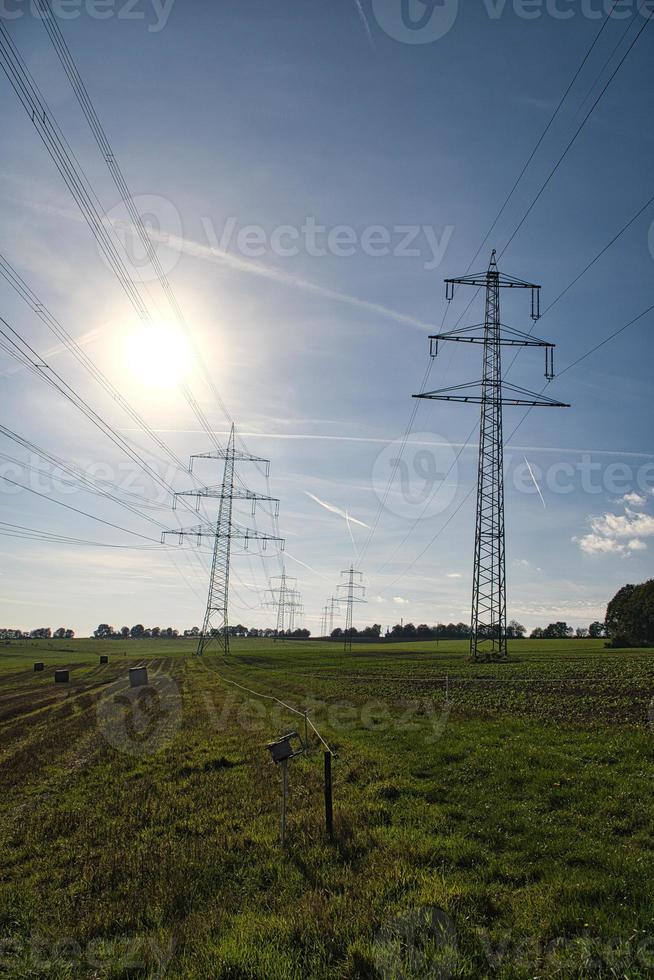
(76, 510)
(544, 133)
(576, 134)
(79, 186)
(81, 92)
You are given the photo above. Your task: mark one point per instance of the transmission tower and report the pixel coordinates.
(488, 626)
(352, 591)
(215, 628)
(287, 600)
(332, 607)
(327, 619)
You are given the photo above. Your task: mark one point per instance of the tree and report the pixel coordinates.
(557, 631)
(103, 631)
(124, 631)
(60, 633)
(581, 632)
(630, 616)
(596, 630)
(515, 630)
(137, 631)
(537, 633)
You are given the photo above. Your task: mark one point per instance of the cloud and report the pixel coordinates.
(454, 575)
(618, 534)
(399, 601)
(634, 500)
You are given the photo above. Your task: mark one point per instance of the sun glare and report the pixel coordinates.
(157, 354)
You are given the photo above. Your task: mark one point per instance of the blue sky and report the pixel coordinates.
(282, 148)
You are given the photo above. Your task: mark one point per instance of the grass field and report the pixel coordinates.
(491, 821)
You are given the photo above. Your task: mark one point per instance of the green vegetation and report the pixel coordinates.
(504, 832)
(630, 616)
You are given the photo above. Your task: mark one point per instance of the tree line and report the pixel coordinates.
(140, 632)
(41, 633)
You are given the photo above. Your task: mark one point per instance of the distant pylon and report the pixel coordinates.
(488, 626)
(215, 628)
(353, 591)
(287, 600)
(332, 607)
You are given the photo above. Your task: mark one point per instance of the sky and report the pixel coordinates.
(309, 174)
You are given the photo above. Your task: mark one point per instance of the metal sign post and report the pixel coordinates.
(282, 751)
(284, 768)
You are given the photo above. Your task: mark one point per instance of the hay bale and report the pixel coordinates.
(61, 675)
(138, 676)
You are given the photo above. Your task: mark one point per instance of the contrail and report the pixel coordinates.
(287, 554)
(531, 473)
(366, 25)
(213, 253)
(337, 510)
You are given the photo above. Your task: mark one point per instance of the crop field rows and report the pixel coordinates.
(497, 823)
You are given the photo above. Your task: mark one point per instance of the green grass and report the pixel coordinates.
(505, 832)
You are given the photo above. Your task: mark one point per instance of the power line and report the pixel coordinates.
(33, 534)
(72, 346)
(606, 340)
(76, 510)
(72, 72)
(78, 184)
(543, 134)
(575, 135)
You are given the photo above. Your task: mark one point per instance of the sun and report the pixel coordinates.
(157, 354)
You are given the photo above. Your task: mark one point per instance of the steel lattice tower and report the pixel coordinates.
(287, 600)
(353, 591)
(488, 624)
(215, 627)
